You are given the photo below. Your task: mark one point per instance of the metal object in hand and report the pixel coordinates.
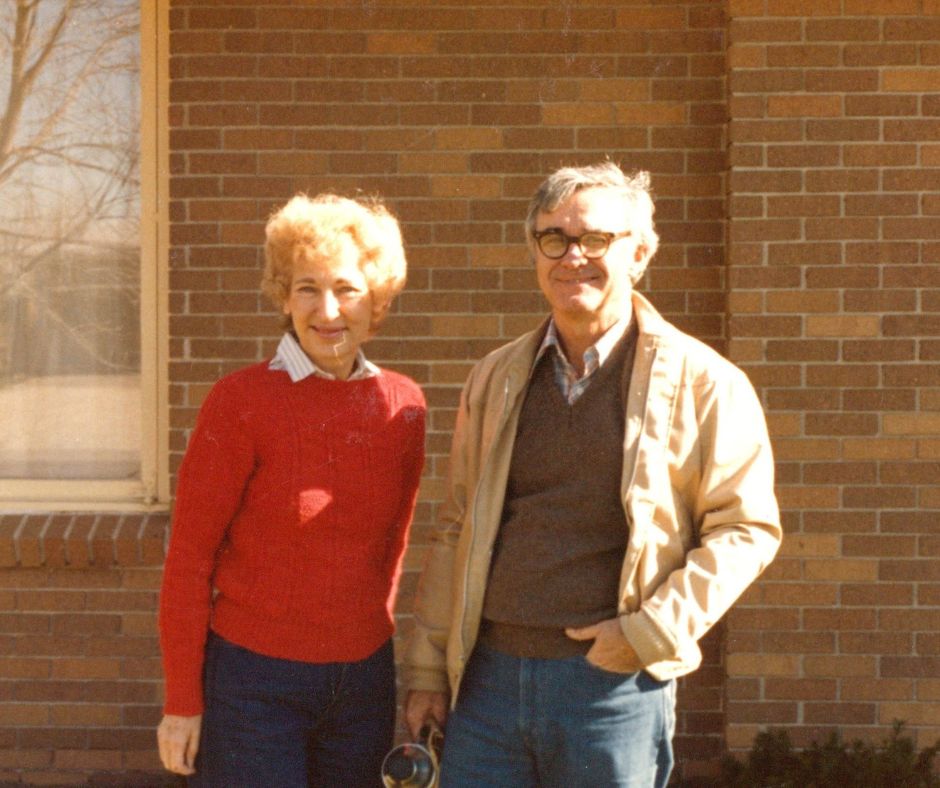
(414, 765)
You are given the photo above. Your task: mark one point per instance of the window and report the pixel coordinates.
(79, 343)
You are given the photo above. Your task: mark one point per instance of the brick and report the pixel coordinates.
(766, 81)
(24, 623)
(801, 350)
(909, 667)
(872, 498)
(911, 473)
(879, 401)
(85, 669)
(875, 301)
(840, 713)
(743, 131)
(810, 205)
(225, 19)
(849, 130)
(877, 594)
(850, 180)
(765, 229)
(9, 527)
(751, 106)
(840, 473)
(842, 375)
(927, 449)
(50, 600)
(913, 325)
(804, 253)
(754, 30)
(880, 105)
(911, 130)
(908, 180)
(782, 156)
(883, 54)
(25, 759)
(917, 29)
(880, 205)
(842, 30)
(801, 55)
(818, 106)
(762, 665)
(911, 228)
(843, 326)
(840, 666)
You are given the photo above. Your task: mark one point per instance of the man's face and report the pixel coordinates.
(580, 289)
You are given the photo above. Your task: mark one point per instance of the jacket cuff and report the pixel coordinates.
(651, 643)
(429, 679)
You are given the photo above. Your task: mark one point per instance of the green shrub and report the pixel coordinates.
(773, 763)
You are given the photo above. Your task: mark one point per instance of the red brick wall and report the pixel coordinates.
(824, 184)
(80, 678)
(834, 277)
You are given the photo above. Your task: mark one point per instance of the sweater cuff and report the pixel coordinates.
(183, 697)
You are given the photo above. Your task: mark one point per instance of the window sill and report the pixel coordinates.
(83, 540)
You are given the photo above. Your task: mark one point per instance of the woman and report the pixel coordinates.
(292, 510)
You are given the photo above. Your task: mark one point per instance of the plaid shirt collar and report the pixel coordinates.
(291, 358)
(566, 376)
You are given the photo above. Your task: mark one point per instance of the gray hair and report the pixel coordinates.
(633, 189)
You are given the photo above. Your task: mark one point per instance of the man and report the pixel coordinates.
(610, 496)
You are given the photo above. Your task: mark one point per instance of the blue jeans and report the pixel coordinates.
(276, 723)
(523, 722)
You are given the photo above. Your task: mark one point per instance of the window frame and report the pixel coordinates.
(151, 492)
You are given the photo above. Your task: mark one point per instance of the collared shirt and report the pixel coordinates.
(291, 358)
(566, 376)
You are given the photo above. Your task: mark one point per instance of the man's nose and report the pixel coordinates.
(574, 257)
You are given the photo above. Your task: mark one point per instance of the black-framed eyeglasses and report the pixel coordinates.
(554, 244)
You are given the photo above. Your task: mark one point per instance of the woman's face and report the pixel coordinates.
(330, 307)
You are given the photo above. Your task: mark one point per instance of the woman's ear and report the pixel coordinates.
(380, 305)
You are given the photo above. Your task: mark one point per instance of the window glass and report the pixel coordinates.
(70, 339)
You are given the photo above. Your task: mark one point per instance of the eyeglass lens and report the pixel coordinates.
(555, 245)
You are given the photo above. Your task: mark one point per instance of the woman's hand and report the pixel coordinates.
(178, 738)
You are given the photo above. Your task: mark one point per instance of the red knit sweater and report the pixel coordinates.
(291, 517)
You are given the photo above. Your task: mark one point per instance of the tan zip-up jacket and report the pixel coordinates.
(697, 491)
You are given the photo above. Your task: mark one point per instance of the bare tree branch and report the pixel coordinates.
(22, 76)
(69, 180)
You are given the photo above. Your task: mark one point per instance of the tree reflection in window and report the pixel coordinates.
(69, 239)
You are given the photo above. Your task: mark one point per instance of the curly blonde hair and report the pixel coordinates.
(318, 227)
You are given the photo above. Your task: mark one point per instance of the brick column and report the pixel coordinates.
(834, 275)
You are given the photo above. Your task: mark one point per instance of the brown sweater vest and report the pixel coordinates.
(563, 534)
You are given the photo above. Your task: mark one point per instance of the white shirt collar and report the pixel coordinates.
(291, 358)
(596, 354)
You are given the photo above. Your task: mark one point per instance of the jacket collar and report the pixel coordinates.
(650, 324)
(649, 321)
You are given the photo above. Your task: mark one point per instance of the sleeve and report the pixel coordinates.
(415, 415)
(425, 661)
(737, 524)
(212, 478)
